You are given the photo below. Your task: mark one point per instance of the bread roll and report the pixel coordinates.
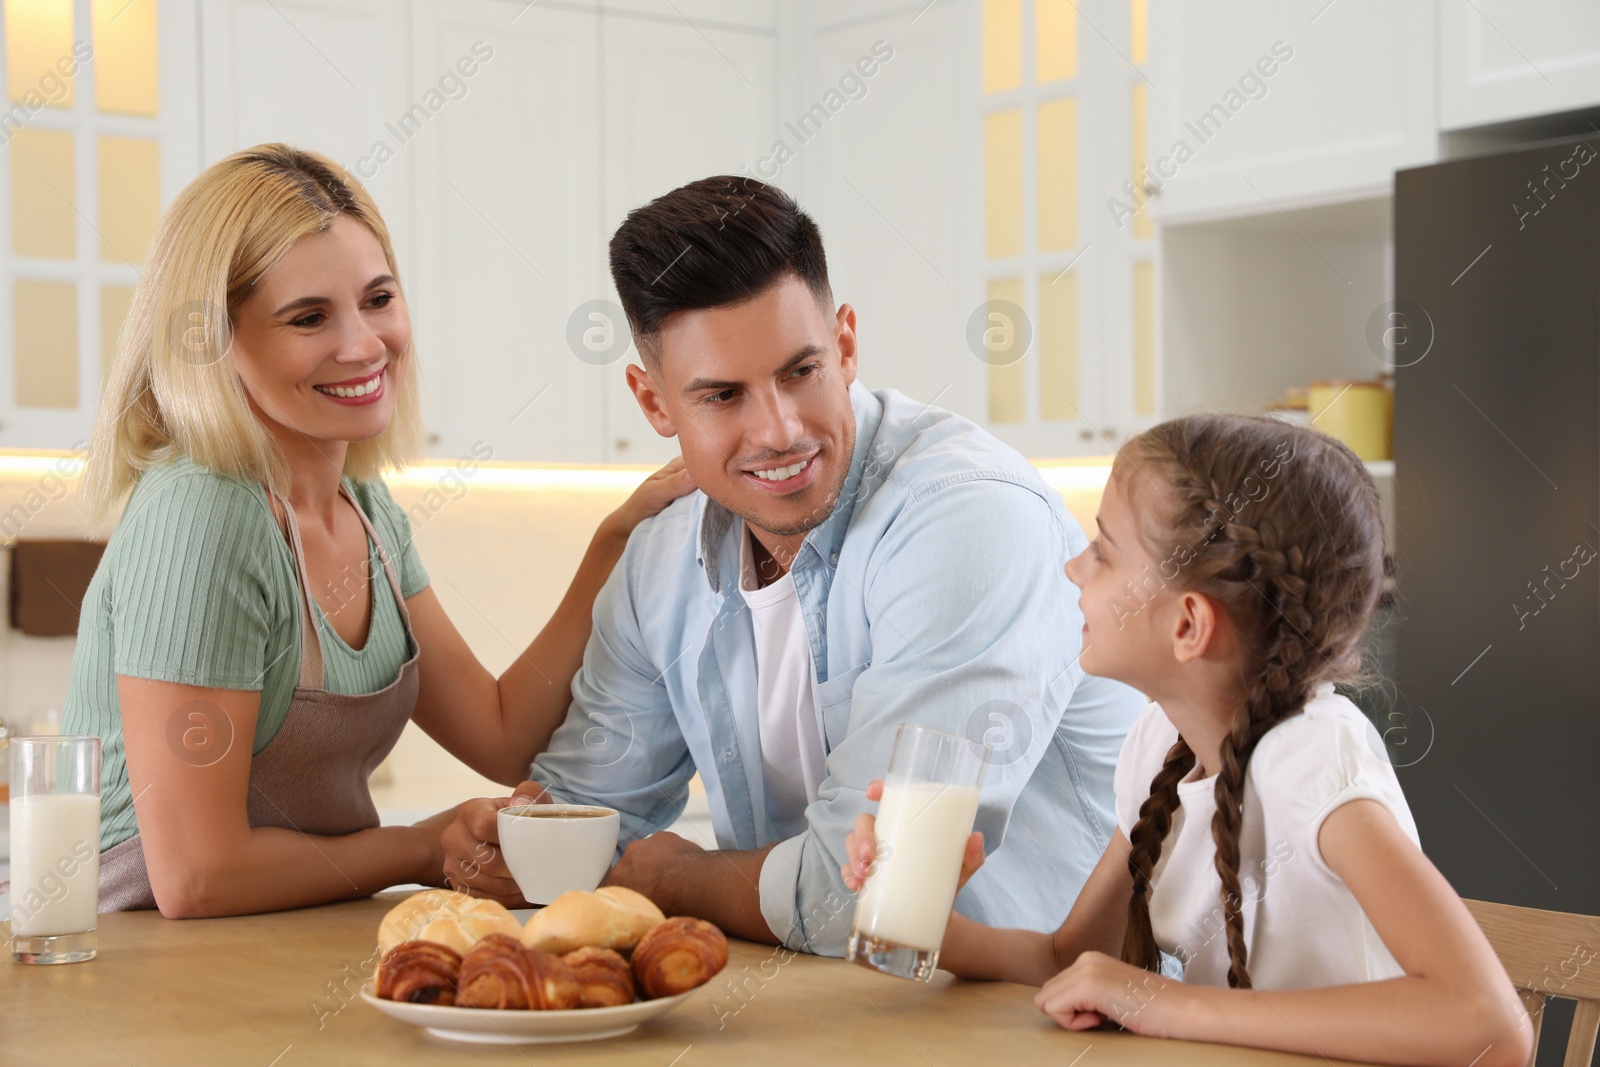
(445, 917)
(631, 900)
(611, 917)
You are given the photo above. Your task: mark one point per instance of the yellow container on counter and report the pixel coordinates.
(1361, 414)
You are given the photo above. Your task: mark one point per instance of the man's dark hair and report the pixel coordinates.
(711, 243)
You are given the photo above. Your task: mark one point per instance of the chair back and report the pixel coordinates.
(1549, 954)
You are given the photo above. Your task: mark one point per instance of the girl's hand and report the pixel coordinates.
(653, 494)
(861, 844)
(861, 848)
(1099, 988)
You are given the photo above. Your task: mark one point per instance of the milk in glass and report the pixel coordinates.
(922, 830)
(55, 864)
(930, 799)
(55, 848)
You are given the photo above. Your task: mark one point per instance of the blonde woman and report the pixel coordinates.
(261, 629)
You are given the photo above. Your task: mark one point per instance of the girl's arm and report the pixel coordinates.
(972, 950)
(1454, 1004)
(1095, 924)
(188, 752)
(497, 726)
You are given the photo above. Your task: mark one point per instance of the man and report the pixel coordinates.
(853, 561)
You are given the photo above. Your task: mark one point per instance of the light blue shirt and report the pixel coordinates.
(933, 594)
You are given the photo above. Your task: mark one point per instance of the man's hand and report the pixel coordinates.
(648, 863)
(472, 859)
(682, 878)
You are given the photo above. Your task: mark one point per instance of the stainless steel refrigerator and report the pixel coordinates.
(1497, 547)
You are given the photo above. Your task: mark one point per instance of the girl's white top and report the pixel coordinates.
(1302, 925)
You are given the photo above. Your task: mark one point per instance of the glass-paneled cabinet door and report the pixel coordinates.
(1068, 252)
(98, 132)
(1128, 375)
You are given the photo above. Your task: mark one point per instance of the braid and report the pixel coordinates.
(1155, 819)
(1248, 729)
(1280, 692)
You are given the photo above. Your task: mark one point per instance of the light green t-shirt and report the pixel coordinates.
(197, 586)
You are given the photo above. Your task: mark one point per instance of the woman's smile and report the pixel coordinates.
(356, 391)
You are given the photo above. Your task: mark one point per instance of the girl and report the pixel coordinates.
(260, 629)
(1262, 839)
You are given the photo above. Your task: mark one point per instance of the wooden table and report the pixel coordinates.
(280, 990)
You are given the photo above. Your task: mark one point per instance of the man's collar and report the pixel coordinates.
(824, 540)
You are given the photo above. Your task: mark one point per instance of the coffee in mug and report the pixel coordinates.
(554, 811)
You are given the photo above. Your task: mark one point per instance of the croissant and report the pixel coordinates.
(500, 973)
(419, 972)
(678, 955)
(603, 976)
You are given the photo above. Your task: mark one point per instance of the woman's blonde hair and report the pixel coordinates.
(171, 388)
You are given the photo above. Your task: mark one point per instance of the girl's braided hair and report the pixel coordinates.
(1280, 527)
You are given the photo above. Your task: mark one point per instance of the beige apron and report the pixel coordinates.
(312, 776)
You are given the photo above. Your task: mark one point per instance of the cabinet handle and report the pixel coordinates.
(621, 445)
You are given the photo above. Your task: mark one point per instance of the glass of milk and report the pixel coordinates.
(55, 848)
(930, 798)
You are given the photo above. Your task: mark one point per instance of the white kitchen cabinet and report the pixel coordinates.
(1500, 60)
(328, 75)
(503, 142)
(507, 236)
(482, 119)
(1257, 105)
(683, 101)
(885, 172)
(762, 15)
(577, 118)
(879, 160)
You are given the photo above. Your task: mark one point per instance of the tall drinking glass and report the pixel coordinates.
(930, 798)
(55, 848)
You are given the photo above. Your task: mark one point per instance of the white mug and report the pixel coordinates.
(555, 848)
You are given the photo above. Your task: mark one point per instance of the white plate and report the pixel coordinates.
(493, 1027)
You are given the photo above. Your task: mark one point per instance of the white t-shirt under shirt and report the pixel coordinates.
(792, 756)
(1303, 928)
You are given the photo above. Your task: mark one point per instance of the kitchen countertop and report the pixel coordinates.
(280, 990)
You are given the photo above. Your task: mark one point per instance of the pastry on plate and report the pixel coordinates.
(445, 917)
(604, 977)
(419, 972)
(677, 956)
(500, 973)
(611, 917)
